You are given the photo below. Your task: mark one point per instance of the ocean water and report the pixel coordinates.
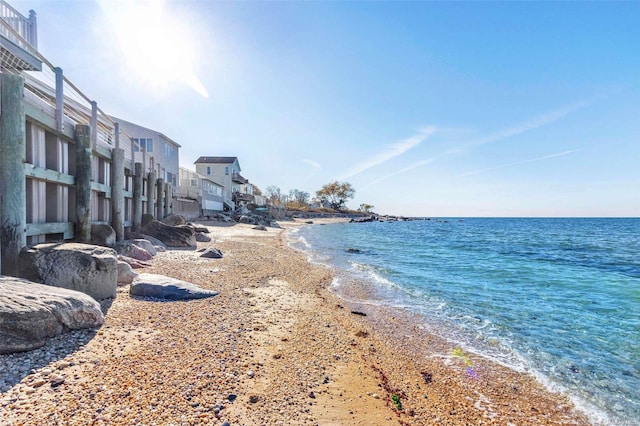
(559, 298)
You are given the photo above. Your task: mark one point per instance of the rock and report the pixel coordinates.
(246, 219)
(146, 219)
(125, 273)
(202, 229)
(140, 236)
(90, 269)
(129, 249)
(353, 250)
(103, 235)
(259, 228)
(160, 249)
(134, 263)
(145, 244)
(172, 236)
(161, 287)
(30, 313)
(212, 253)
(174, 220)
(202, 237)
(57, 380)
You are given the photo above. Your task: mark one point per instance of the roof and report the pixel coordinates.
(162, 135)
(216, 160)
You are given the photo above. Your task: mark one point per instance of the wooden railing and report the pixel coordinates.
(25, 27)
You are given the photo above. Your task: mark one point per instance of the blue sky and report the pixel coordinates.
(426, 108)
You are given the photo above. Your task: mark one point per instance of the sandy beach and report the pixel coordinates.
(275, 347)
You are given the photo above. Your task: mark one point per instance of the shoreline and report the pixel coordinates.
(277, 346)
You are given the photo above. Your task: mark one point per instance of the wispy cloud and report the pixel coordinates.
(517, 163)
(314, 164)
(413, 166)
(394, 150)
(532, 124)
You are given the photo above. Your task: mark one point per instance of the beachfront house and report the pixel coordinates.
(224, 171)
(154, 150)
(197, 195)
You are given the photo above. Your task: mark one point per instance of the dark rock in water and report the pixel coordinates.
(171, 236)
(259, 228)
(161, 287)
(174, 220)
(90, 269)
(202, 237)
(212, 253)
(103, 235)
(353, 250)
(31, 313)
(309, 222)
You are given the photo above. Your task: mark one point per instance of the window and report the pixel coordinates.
(170, 151)
(226, 170)
(194, 182)
(208, 170)
(140, 144)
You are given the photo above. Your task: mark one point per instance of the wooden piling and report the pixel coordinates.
(83, 183)
(168, 198)
(137, 198)
(13, 188)
(117, 192)
(151, 193)
(160, 199)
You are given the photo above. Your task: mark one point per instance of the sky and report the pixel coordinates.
(425, 108)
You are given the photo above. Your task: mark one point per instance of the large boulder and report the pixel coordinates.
(30, 313)
(171, 236)
(161, 287)
(174, 220)
(125, 273)
(90, 269)
(202, 238)
(103, 235)
(145, 244)
(129, 249)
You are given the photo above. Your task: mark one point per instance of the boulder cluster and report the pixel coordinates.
(58, 286)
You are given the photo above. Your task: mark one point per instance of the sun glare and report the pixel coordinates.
(155, 46)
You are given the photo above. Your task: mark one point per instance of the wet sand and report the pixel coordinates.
(276, 346)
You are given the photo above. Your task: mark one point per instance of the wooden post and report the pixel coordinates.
(116, 131)
(137, 198)
(168, 199)
(83, 183)
(13, 187)
(34, 29)
(160, 199)
(117, 192)
(59, 99)
(94, 124)
(151, 193)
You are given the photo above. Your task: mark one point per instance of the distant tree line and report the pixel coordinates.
(334, 195)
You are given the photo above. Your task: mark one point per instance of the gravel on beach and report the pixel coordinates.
(275, 347)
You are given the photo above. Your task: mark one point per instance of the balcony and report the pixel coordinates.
(235, 177)
(18, 40)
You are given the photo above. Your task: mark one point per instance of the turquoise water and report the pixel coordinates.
(556, 297)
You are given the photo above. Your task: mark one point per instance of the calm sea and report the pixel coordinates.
(556, 297)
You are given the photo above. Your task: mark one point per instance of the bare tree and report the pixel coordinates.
(336, 194)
